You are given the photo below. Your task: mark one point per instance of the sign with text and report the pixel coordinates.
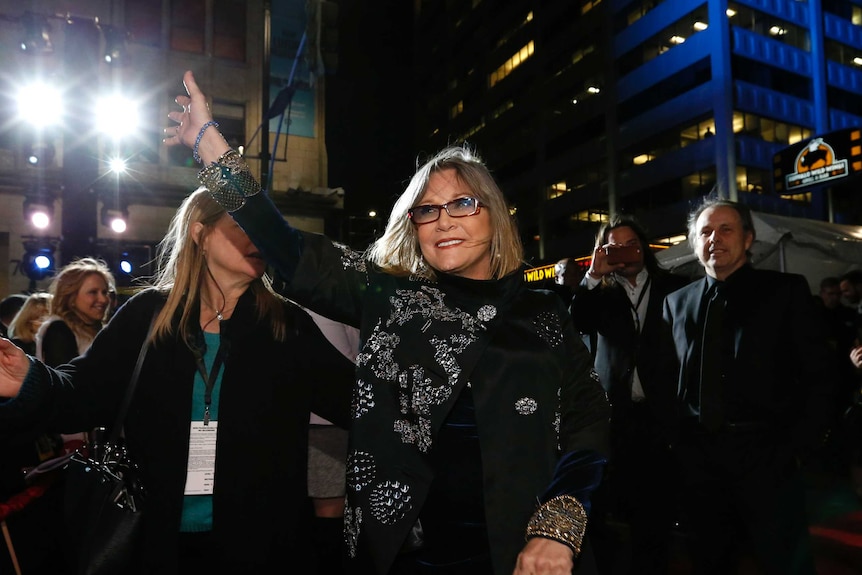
(820, 160)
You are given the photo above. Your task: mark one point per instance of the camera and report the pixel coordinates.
(623, 254)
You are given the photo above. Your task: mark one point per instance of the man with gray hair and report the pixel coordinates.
(754, 398)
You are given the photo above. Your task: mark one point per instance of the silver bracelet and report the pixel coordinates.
(229, 180)
(195, 153)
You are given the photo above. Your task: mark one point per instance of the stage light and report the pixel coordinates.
(115, 219)
(39, 211)
(126, 265)
(40, 154)
(109, 108)
(40, 104)
(38, 261)
(37, 34)
(116, 49)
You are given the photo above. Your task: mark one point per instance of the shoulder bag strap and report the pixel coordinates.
(116, 430)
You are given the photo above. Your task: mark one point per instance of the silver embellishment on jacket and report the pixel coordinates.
(380, 347)
(526, 406)
(352, 527)
(363, 399)
(360, 470)
(594, 375)
(549, 328)
(487, 313)
(418, 434)
(350, 259)
(390, 502)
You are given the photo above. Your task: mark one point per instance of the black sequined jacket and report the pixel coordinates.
(421, 343)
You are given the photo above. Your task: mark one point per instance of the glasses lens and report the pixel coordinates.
(462, 207)
(424, 214)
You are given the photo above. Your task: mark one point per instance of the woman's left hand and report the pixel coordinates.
(541, 556)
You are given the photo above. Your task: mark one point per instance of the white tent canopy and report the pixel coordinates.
(812, 248)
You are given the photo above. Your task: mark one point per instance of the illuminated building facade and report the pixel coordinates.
(586, 108)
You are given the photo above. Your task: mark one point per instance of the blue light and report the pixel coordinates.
(126, 266)
(42, 262)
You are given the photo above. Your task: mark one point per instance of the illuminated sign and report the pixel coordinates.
(826, 158)
(542, 273)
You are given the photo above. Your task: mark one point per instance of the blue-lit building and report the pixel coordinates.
(586, 108)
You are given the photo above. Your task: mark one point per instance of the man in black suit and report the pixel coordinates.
(754, 398)
(618, 307)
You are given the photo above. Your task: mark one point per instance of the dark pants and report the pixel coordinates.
(633, 511)
(743, 493)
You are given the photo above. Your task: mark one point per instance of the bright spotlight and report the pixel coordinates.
(117, 165)
(118, 225)
(117, 116)
(39, 211)
(115, 219)
(125, 264)
(40, 105)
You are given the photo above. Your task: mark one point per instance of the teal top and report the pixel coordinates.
(198, 509)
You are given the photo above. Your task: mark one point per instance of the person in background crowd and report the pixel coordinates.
(9, 306)
(25, 325)
(475, 416)
(851, 292)
(225, 351)
(37, 533)
(79, 308)
(754, 399)
(617, 306)
(327, 457)
(839, 322)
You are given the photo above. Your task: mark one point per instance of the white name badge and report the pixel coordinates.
(202, 451)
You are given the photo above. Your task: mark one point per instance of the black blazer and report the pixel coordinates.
(781, 373)
(605, 315)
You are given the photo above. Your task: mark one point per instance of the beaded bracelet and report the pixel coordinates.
(195, 154)
(562, 519)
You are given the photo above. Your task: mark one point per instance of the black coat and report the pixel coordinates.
(781, 374)
(422, 342)
(604, 313)
(267, 392)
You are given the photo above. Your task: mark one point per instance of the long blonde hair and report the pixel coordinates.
(398, 252)
(36, 307)
(64, 289)
(181, 267)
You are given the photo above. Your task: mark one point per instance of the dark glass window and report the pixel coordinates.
(229, 21)
(188, 19)
(144, 22)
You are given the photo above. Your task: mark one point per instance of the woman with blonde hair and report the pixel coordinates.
(226, 354)
(25, 325)
(478, 432)
(79, 308)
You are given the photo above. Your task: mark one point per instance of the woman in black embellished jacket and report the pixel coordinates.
(474, 412)
(226, 352)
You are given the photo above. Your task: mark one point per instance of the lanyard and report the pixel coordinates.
(636, 306)
(209, 380)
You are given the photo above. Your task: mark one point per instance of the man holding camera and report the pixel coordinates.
(618, 306)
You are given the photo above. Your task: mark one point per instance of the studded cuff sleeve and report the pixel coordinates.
(229, 180)
(562, 519)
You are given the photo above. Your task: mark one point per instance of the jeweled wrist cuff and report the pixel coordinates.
(562, 519)
(229, 180)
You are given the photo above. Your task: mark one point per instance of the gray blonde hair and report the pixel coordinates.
(398, 252)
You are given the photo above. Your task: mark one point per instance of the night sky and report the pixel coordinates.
(369, 110)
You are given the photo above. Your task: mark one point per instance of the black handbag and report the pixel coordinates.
(104, 500)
